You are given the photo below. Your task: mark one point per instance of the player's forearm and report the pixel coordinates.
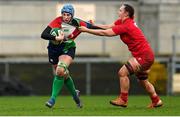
(97, 32)
(94, 27)
(46, 34)
(103, 26)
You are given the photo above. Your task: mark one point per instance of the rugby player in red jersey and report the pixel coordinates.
(61, 51)
(142, 55)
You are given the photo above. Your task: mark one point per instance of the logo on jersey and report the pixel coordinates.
(67, 29)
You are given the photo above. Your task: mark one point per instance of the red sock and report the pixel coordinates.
(155, 99)
(124, 96)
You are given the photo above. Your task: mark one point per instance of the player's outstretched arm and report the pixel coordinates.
(99, 32)
(79, 22)
(104, 26)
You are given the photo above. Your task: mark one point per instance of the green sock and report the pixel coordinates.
(57, 86)
(70, 85)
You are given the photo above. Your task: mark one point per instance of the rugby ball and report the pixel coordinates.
(55, 31)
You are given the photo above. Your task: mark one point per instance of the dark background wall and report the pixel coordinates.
(38, 79)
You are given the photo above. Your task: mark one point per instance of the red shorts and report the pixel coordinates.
(145, 60)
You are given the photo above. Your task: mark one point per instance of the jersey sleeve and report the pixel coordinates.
(55, 23)
(117, 22)
(82, 23)
(119, 29)
(46, 34)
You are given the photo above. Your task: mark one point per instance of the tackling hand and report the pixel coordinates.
(82, 29)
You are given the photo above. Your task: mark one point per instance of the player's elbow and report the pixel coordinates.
(43, 35)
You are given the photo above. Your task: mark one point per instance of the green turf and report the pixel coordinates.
(93, 105)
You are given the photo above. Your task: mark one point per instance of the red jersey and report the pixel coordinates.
(57, 23)
(133, 37)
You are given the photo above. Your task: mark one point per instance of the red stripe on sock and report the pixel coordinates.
(155, 99)
(124, 96)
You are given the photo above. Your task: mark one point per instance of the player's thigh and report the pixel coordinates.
(68, 57)
(53, 56)
(135, 66)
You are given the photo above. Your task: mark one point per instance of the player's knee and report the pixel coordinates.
(62, 69)
(122, 73)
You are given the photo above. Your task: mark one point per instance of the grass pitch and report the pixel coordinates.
(93, 106)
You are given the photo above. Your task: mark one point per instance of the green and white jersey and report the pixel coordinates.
(70, 31)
